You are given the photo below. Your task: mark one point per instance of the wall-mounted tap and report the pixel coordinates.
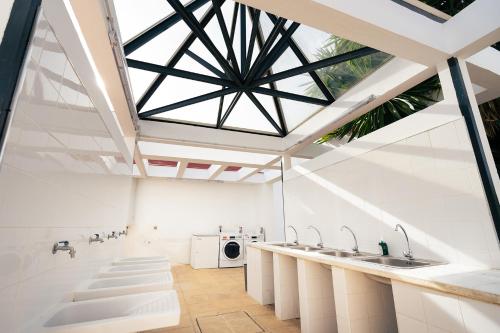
(122, 233)
(296, 242)
(95, 238)
(320, 244)
(355, 247)
(112, 235)
(408, 254)
(64, 247)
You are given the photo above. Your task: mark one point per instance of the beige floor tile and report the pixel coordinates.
(207, 293)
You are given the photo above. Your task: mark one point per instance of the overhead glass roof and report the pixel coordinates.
(224, 65)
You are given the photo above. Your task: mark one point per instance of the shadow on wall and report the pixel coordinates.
(428, 183)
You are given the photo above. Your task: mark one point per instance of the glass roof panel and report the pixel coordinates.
(297, 112)
(140, 80)
(308, 44)
(198, 113)
(246, 115)
(175, 89)
(135, 16)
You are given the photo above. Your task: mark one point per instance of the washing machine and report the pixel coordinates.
(250, 238)
(231, 250)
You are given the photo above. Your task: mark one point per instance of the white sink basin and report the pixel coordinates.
(117, 286)
(130, 313)
(115, 271)
(142, 258)
(139, 262)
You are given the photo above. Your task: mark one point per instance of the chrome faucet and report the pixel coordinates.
(296, 242)
(355, 248)
(408, 254)
(65, 247)
(95, 238)
(320, 244)
(112, 235)
(122, 233)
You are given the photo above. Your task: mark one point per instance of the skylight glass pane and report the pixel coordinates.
(175, 89)
(310, 40)
(297, 112)
(245, 115)
(136, 16)
(140, 80)
(161, 48)
(340, 78)
(198, 113)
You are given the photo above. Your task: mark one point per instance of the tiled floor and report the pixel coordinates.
(210, 292)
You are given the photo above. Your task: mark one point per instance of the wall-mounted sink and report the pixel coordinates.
(307, 248)
(140, 262)
(138, 269)
(400, 262)
(108, 287)
(142, 258)
(130, 313)
(346, 254)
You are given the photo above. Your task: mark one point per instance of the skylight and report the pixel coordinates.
(224, 65)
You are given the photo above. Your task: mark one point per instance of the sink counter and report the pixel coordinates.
(465, 281)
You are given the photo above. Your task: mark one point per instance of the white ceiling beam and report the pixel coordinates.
(139, 162)
(181, 168)
(273, 179)
(216, 172)
(412, 36)
(176, 158)
(473, 29)
(269, 165)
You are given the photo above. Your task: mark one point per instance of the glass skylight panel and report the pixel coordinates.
(175, 89)
(246, 115)
(200, 113)
(202, 69)
(134, 17)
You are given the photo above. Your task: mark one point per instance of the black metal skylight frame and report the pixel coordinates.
(245, 80)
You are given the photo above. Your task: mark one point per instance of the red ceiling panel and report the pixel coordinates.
(201, 166)
(232, 168)
(162, 163)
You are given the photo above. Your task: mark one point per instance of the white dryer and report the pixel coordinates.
(250, 238)
(231, 250)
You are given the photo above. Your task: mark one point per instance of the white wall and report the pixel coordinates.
(5, 8)
(419, 172)
(182, 208)
(59, 180)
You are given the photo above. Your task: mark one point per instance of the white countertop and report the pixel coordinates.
(466, 281)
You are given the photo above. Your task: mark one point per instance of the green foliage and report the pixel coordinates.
(341, 77)
(450, 7)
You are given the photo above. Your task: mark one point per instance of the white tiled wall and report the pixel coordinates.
(61, 178)
(421, 310)
(427, 182)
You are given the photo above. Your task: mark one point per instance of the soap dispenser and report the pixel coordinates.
(385, 248)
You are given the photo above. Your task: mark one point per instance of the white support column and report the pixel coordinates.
(317, 303)
(286, 287)
(181, 167)
(139, 162)
(286, 159)
(260, 284)
(362, 304)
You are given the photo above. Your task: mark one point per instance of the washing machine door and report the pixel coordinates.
(232, 250)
